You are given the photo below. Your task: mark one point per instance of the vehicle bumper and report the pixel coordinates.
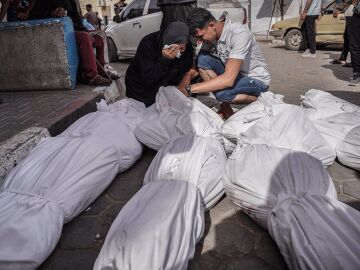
(277, 34)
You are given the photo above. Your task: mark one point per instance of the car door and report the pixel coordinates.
(128, 32)
(330, 29)
(152, 19)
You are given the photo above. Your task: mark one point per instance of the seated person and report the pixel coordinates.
(163, 58)
(16, 10)
(237, 73)
(92, 68)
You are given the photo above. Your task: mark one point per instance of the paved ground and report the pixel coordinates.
(49, 109)
(232, 240)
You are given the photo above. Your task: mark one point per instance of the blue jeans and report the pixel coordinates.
(242, 84)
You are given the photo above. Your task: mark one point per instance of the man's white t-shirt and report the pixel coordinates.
(238, 42)
(315, 8)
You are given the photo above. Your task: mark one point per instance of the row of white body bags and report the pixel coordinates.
(269, 121)
(174, 115)
(338, 121)
(157, 229)
(292, 196)
(187, 170)
(195, 159)
(59, 178)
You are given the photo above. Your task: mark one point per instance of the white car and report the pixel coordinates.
(140, 18)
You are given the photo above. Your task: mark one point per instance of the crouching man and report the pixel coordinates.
(236, 72)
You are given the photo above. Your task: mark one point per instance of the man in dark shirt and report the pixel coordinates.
(91, 17)
(175, 10)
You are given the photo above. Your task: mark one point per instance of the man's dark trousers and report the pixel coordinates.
(310, 30)
(354, 33)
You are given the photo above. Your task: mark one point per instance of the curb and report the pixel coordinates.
(15, 149)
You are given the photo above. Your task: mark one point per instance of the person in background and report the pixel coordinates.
(16, 10)
(92, 69)
(118, 7)
(175, 10)
(99, 20)
(340, 7)
(163, 58)
(236, 72)
(91, 17)
(117, 18)
(354, 35)
(310, 14)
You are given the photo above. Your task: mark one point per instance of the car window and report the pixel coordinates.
(153, 7)
(135, 9)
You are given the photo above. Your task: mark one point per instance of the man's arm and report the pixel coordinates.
(225, 80)
(306, 9)
(4, 7)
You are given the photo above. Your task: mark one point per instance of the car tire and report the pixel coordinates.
(293, 40)
(112, 50)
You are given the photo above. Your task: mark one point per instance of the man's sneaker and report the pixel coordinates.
(100, 81)
(308, 54)
(355, 80)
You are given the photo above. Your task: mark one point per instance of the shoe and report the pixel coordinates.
(348, 65)
(355, 81)
(100, 81)
(113, 76)
(109, 75)
(308, 54)
(338, 62)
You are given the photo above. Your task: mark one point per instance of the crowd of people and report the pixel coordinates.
(230, 63)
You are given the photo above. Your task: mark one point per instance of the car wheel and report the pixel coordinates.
(293, 40)
(112, 50)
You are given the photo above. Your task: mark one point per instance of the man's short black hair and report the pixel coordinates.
(89, 6)
(198, 19)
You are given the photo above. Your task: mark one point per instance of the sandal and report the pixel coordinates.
(338, 62)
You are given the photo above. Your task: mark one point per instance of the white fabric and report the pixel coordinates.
(291, 195)
(338, 121)
(131, 111)
(237, 42)
(246, 117)
(157, 229)
(194, 159)
(269, 121)
(320, 104)
(175, 115)
(56, 182)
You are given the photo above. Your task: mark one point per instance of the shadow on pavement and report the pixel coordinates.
(236, 242)
(352, 97)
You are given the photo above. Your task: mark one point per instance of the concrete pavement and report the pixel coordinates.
(232, 240)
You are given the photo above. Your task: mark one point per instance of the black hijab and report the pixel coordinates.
(149, 70)
(175, 33)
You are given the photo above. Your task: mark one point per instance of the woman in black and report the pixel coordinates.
(162, 59)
